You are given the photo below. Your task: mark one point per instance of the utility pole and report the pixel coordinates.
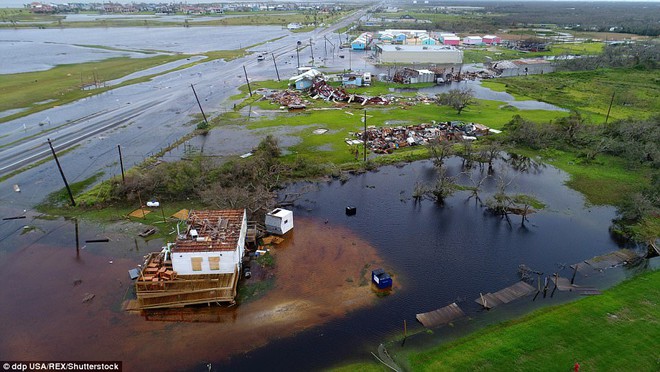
(610, 108)
(276, 71)
(311, 50)
(121, 165)
(199, 104)
(364, 137)
(247, 80)
(298, 52)
(73, 202)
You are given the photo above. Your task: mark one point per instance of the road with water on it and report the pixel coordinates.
(143, 118)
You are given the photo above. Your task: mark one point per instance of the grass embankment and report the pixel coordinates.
(636, 91)
(615, 331)
(24, 19)
(40, 90)
(482, 54)
(611, 332)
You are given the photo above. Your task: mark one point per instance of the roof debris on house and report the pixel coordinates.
(211, 230)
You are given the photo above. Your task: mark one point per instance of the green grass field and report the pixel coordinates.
(616, 331)
(483, 54)
(636, 92)
(331, 146)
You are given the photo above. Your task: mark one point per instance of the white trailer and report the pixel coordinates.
(279, 221)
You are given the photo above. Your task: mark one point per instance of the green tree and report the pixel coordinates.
(458, 99)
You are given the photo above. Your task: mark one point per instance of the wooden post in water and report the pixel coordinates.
(73, 202)
(77, 239)
(574, 272)
(483, 301)
(555, 288)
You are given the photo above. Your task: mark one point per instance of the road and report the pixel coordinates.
(142, 118)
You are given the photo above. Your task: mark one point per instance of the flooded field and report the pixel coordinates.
(34, 49)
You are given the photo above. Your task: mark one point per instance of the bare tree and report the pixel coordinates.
(444, 186)
(440, 149)
(476, 187)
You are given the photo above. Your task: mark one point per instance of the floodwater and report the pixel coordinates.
(319, 310)
(438, 254)
(34, 49)
(482, 92)
(47, 279)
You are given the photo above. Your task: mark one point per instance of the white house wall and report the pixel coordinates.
(182, 263)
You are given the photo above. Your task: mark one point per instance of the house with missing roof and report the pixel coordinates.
(202, 266)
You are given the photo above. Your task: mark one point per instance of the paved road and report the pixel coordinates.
(142, 118)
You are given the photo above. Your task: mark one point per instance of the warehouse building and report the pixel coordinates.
(435, 54)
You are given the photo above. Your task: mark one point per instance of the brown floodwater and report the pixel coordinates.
(321, 273)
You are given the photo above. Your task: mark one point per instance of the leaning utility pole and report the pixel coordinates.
(121, 164)
(610, 108)
(277, 72)
(73, 202)
(199, 104)
(247, 80)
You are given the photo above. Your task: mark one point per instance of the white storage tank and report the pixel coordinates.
(279, 221)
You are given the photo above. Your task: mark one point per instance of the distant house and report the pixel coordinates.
(350, 79)
(472, 40)
(294, 26)
(400, 38)
(385, 37)
(304, 80)
(491, 39)
(428, 41)
(449, 39)
(362, 41)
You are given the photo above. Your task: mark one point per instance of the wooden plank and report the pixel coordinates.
(440, 316)
(506, 295)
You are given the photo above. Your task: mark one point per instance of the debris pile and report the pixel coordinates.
(385, 140)
(322, 90)
(291, 99)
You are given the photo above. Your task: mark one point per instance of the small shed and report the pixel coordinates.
(279, 221)
(400, 38)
